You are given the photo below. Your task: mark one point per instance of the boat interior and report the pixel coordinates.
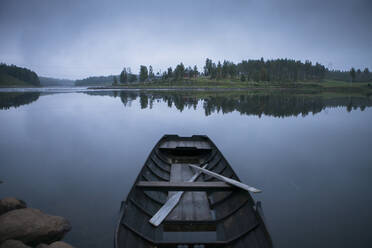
(209, 214)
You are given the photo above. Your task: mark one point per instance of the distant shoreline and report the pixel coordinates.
(175, 88)
(328, 86)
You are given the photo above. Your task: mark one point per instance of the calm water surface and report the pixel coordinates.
(77, 154)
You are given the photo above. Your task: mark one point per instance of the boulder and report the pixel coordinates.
(42, 246)
(57, 244)
(60, 244)
(9, 204)
(13, 244)
(32, 227)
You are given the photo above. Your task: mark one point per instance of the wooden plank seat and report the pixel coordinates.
(184, 186)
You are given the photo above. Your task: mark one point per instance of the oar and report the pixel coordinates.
(226, 179)
(172, 202)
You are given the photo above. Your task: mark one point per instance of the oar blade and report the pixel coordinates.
(226, 179)
(163, 212)
(172, 202)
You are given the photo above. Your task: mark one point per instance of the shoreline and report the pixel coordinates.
(299, 88)
(364, 90)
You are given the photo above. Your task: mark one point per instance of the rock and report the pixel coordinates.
(9, 204)
(60, 244)
(13, 244)
(32, 227)
(41, 246)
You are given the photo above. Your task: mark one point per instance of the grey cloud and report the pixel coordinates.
(76, 39)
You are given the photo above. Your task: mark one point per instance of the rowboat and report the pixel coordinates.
(187, 195)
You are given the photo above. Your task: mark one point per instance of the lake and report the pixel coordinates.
(76, 153)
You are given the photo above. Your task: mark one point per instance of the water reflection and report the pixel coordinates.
(16, 99)
(276, 104)
(279, 104)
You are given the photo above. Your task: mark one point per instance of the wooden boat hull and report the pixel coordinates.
(209, 214)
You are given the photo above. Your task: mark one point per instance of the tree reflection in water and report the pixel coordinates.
(16, 99)
(277, 104)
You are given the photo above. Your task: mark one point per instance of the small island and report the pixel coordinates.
(260, 74)
(248, 74)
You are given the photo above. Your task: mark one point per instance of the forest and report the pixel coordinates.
(259, 70)
(352, 75)
(14, 75)
(48, 81)
(100, 80)
(278, 70)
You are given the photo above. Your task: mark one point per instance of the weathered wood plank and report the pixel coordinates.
(201, 206)
(162, 175)
(186, 203)
(184, 186)
(175, 176)
(193, 206)
(185, 143)
(172, 202)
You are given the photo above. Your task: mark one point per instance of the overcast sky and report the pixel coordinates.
(75, 38)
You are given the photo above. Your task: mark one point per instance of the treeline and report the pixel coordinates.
(352, 75)
(48, 81)
(92, 81)
(126, 75)
(146, 74)
(259, 70)
(279, 70)
(11, 74)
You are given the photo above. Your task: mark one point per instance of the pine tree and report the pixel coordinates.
(208, 67)
(144, 75)
(225, 69)
(366, 75)
(352, 74)
(151, 73)
(124, 76)
(170, 72)
(242, 78)
(213, 71)
(196, 73)
(219, 70)
(179, 72)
